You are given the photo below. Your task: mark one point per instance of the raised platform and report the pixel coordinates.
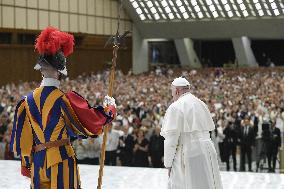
(139, 178)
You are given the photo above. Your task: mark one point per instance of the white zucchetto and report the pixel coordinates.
(180, 82)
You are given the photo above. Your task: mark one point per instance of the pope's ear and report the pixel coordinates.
(177, 91)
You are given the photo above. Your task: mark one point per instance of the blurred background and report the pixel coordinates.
(231, 51)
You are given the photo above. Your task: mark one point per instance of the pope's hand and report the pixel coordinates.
(109, 101)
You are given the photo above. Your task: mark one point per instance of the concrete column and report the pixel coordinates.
(243, 51)
(139, 52)
(186, 53)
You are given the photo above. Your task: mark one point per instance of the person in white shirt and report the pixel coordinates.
(220, 138)
(112, 146)
(189, 154)
(259, 145)
(93, 147)
(80, 150)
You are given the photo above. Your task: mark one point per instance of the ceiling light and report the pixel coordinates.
(164, 3)
(179, 3)
(150, 4)
(193, 2)
(171, 16)
(185, 15)
(260, 12)
(209, 2)
(153, 10)
(200, 15)
(227, 7)
(157, 17)
(215, 14)
(243, 7)
(142, 17)
(212, 8)
(245, 13)
(276, 12)
(197, 8)
(240, 1)
(182, 9)
(139, 11)
(135, 4)
(168, 10)
(258, 6)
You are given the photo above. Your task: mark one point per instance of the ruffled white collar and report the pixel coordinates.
(48, 82)
(184, 94)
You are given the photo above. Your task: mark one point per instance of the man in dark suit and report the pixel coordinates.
(126, 145)
(230, 145)
(255, 121)
(273, 146)
(262, 142)
(156, 149)
(246, 143)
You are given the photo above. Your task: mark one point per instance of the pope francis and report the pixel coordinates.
(189, 153)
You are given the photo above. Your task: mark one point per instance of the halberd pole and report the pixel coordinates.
(110, 93)
(117, 40)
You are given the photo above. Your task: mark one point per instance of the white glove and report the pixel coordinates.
(109, 101)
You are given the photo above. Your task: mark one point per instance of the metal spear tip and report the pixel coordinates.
(117, 39)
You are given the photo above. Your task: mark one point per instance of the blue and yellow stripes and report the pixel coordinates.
(64, 175)
(22, 137)
(42, 116)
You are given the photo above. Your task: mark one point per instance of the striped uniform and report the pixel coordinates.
(47, 114)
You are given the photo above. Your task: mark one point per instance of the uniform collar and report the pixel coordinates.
(48, 82)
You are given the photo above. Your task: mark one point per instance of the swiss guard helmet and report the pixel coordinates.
(53, 47)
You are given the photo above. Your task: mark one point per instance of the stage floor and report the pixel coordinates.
(139, 178)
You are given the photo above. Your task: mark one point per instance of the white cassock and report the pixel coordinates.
(188, 149)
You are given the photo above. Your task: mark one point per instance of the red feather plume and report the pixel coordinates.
(51, 40)
(67, 43)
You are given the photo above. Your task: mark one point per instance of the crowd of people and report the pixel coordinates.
(247, 106)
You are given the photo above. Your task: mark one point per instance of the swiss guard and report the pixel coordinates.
(46, 118)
